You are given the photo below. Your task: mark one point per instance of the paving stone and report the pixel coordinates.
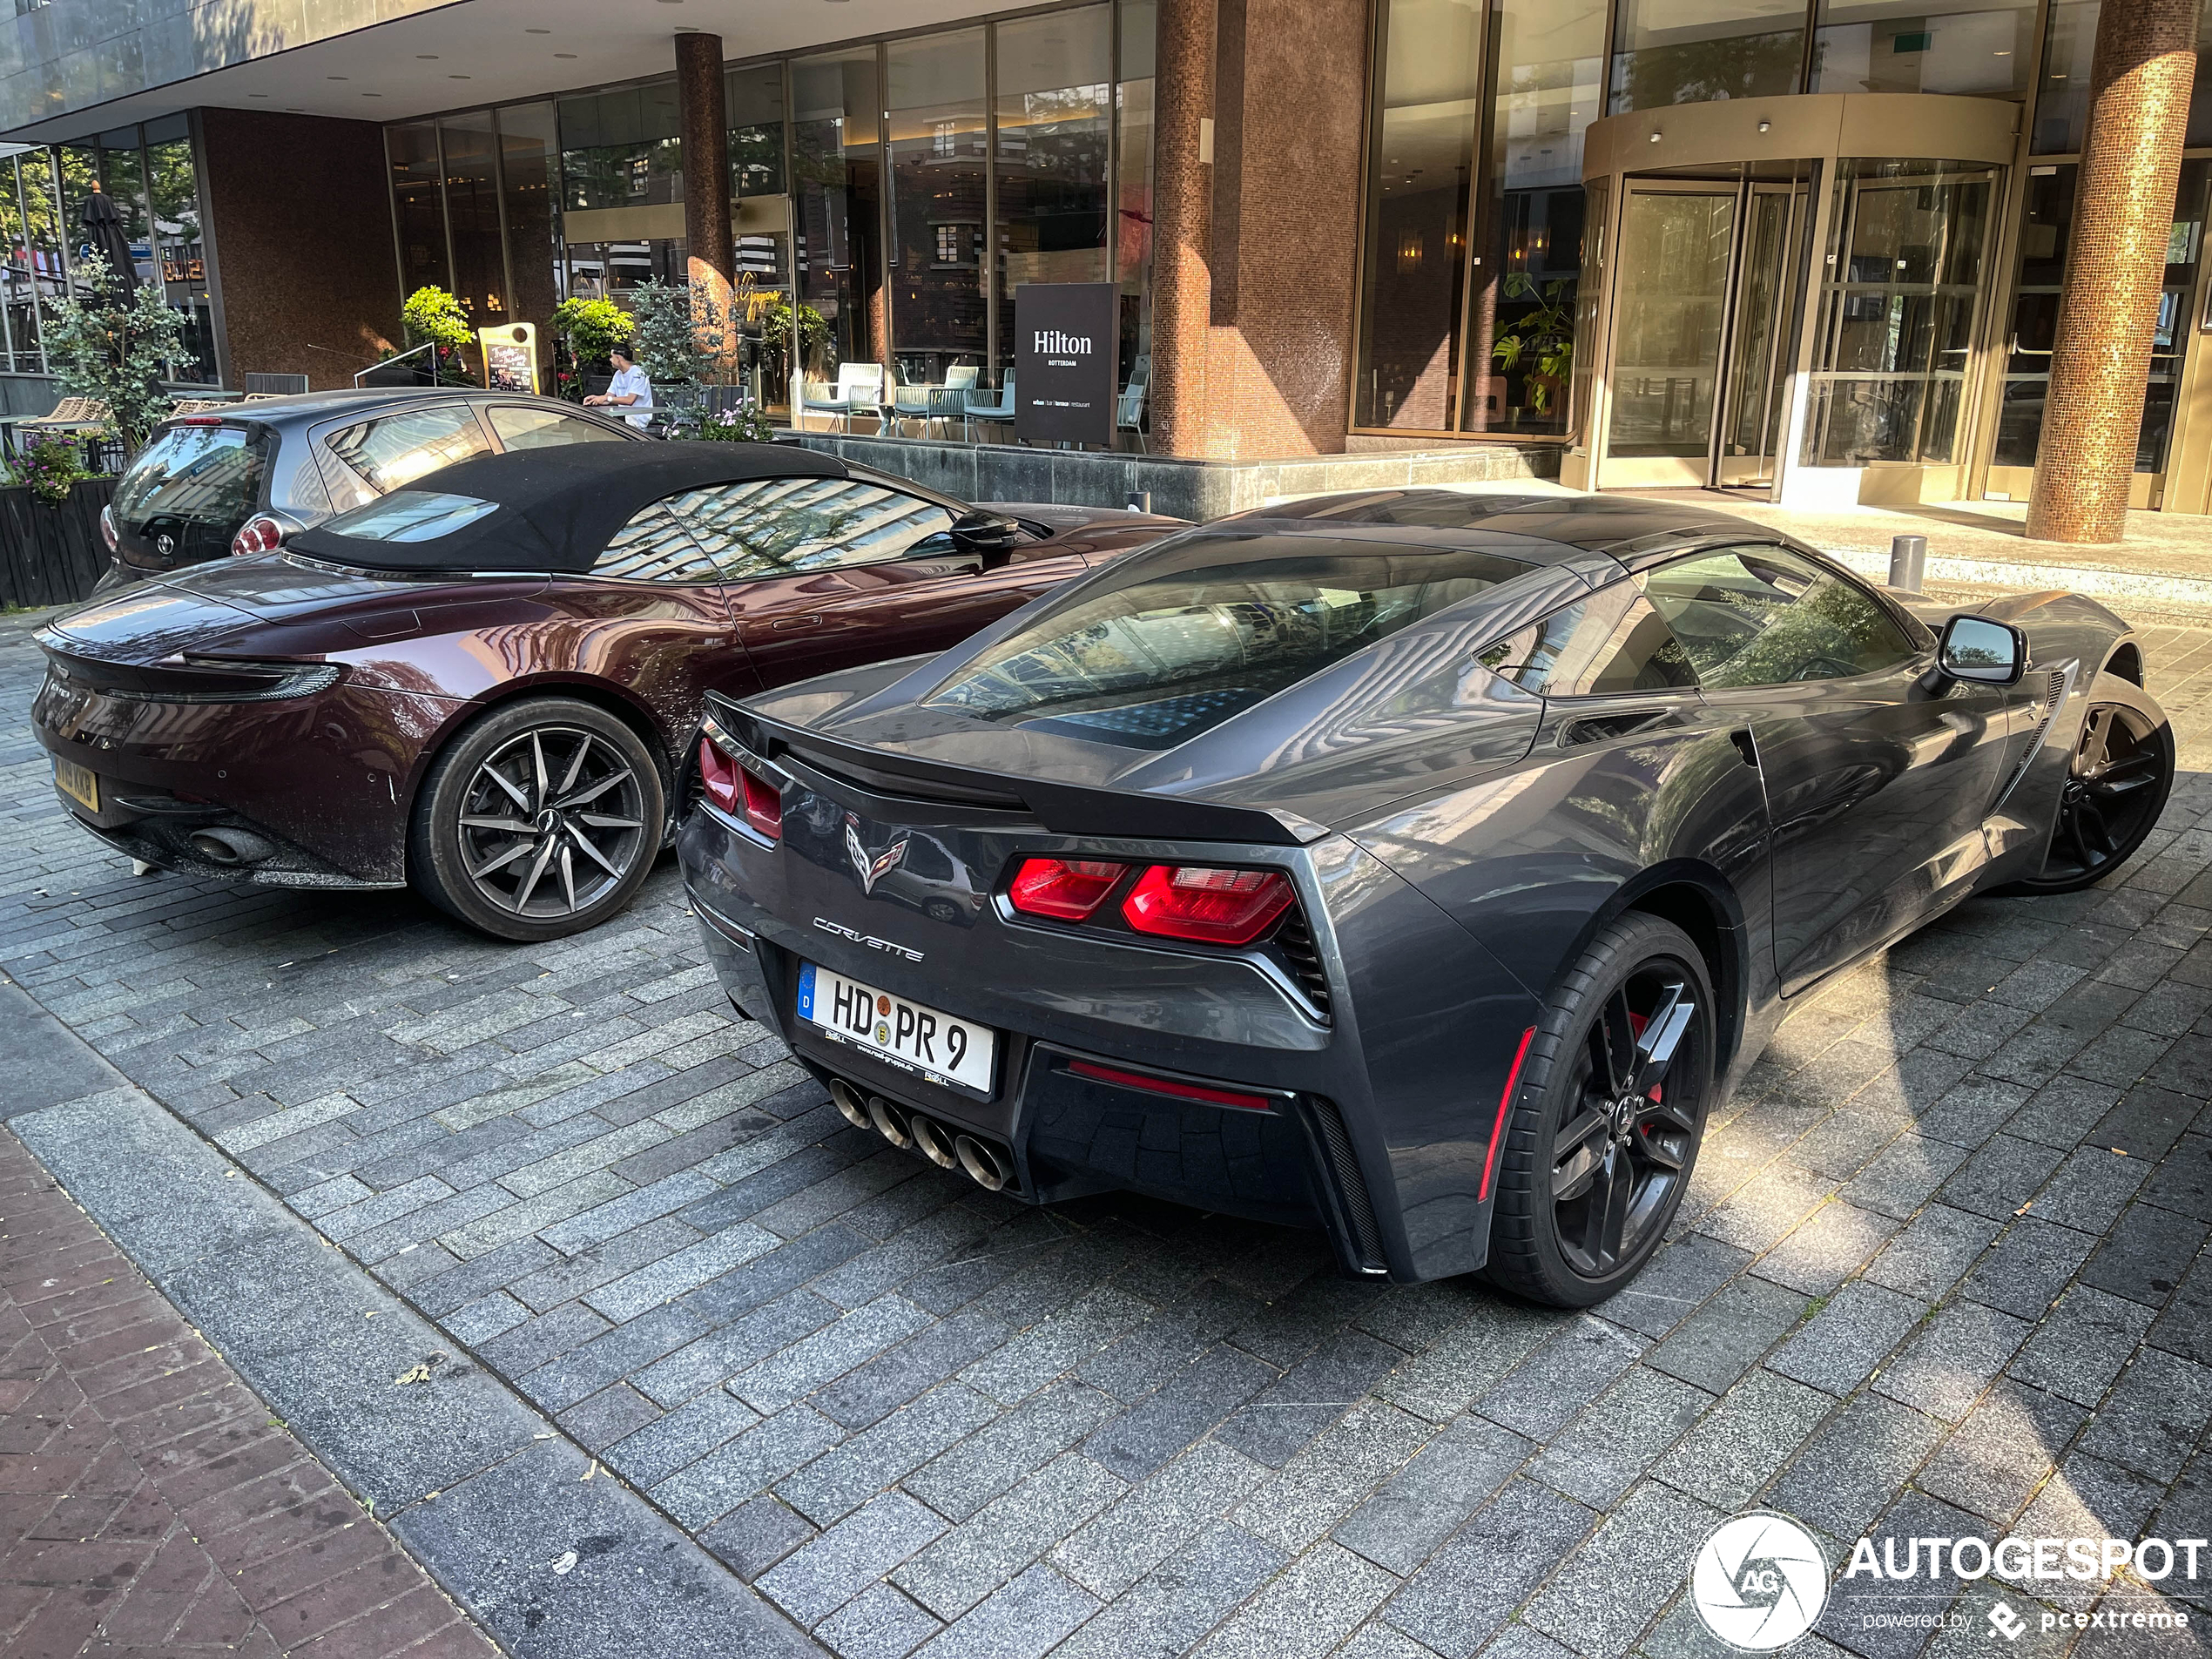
(2027, 1269)
(990, 1461)
(2154, 1417)
(1185, 1407)
(1992, 1464)
(1025, 1619)
(1827, 1248)
(1933, 1253)
(669, 1276)
(1305, 1610)
(1469, 1359)
(756, 1535)
(1607, 1592)
(1849, 1471)
(1837, 1347)
(921, 1362)
(1596, 1457)
(2085, 1499)
(1737, 1448)
(1165, 1613)
(837, 1483)
(1952, 1360)
(878, 1623)
(1561, 1377)
(996, 1544)
(824, 1575)
(700, 1492)
(852, 1339)
(1291, 1412)
(1725, 1337)
(1467, 1590)
(1903, 1176)
(1450, 1478)
(1154, 1520)
(677, 1439)
(2079, 1349)
(2145, 1254)
(1673, 1282)
(1325, 1481)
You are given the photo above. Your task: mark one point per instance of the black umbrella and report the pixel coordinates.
(105, 235)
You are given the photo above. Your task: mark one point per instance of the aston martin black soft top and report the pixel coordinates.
(552, 510)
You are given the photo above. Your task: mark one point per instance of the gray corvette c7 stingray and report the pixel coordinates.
(1417, 866)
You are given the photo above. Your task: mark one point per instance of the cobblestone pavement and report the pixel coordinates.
(1939, 1272)
(153, 1506)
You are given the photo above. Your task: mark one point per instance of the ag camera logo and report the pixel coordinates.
(1759, 1582)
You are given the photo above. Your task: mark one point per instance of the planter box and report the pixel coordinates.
(52, 555)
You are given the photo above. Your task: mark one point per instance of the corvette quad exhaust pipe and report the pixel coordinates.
(985, 1165)
(934, 1140)
(851, 1104)
(948, 1149)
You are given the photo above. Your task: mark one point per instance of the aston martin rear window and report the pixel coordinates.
(1154, 663)
(410, 516)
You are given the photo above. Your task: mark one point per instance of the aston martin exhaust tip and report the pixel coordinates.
(889, 1122)
(984, 1164)
(849, 1104)
(931, 1138)
(231, 848)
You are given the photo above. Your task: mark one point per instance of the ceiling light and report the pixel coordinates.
(257, 95)
(538, 32)
(337, 77)
(563, 54)
(460, 77)
(426, 57)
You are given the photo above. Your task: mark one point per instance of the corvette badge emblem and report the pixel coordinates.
(870, 870)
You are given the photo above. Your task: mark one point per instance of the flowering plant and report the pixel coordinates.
(743, 424)
(47, 468)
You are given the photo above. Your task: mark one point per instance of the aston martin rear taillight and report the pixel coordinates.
(1207, 905)
(258, 534)
(1062, 889)
(740, 791)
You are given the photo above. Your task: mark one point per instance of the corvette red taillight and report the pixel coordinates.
(740, 791)
(259, 534)
(1063, 889)
(1207, 905)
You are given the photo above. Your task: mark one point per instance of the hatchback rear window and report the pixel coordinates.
(1154, 662)
(410, 516)
(195, 485)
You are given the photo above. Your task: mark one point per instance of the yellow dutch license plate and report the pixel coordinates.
(79, 783)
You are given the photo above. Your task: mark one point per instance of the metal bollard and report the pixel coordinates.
(1908, 561)
(1140, 500)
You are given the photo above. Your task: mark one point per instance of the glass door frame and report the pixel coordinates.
(1814, 132)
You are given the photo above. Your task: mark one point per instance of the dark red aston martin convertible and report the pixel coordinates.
(486, 684)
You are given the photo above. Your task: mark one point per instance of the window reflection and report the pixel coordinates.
(1055, 84)
(835, 168)
(1900, 46)
(1694, 51)
(938, 131)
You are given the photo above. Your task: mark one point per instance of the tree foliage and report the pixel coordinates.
(115, 346)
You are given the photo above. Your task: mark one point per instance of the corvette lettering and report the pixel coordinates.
(869, 940)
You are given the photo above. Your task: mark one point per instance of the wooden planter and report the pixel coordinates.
(52, 555)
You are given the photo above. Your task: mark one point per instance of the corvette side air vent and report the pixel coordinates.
(1363, 1237)
(2055, 686)
(1294, 939)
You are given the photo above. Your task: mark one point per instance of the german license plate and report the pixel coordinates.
(78, 783)
(909, 1034)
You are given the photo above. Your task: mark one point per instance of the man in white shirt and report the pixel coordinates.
(631, 391)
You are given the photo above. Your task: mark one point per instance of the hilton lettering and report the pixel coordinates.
(1051, 340)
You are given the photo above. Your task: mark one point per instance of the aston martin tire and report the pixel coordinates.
(1602, 1134)
(541, 820)
(2116, 784)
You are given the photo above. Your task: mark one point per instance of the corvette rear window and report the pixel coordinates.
(1153, 663)
(410, 516)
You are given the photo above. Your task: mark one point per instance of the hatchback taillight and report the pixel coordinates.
(740, 791)
(1207, 905)
(1063, 889)
(257, 534)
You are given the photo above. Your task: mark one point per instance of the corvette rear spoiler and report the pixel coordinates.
(890, 783)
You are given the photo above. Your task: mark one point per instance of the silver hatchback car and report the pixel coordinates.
(245, 478)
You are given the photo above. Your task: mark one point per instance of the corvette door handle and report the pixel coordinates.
(1742, 739)
(796, 621)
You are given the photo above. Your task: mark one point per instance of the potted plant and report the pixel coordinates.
(433, 316)
(1546, 333)
(587, 330)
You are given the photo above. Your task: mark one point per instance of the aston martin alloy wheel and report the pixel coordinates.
(1603, 1133)
(541, 820)
(2116, 786)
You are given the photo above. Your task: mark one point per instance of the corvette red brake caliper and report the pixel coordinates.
(1637, 1023)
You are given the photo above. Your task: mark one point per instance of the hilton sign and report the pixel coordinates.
(1065, 337)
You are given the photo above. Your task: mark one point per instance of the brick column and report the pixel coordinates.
(2139, 79)
(1182, 201)
(703, 116)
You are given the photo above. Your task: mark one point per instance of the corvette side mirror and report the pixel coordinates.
(987, 535)
(1984, 652)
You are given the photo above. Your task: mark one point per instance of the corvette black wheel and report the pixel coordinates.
(1603, 1132)
(540, 820)
(2116, 786)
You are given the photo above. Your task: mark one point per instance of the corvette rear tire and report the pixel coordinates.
(2117, 780)
(541, 820)
(1610, 1106)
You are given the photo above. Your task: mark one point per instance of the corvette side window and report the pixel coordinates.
(1611, 642)
(1759, 616)
(653, 546)
(776, 526)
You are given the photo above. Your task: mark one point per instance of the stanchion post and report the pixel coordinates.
(1908, 561)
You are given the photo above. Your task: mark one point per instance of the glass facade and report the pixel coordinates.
(915, 185)
(149, 174)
